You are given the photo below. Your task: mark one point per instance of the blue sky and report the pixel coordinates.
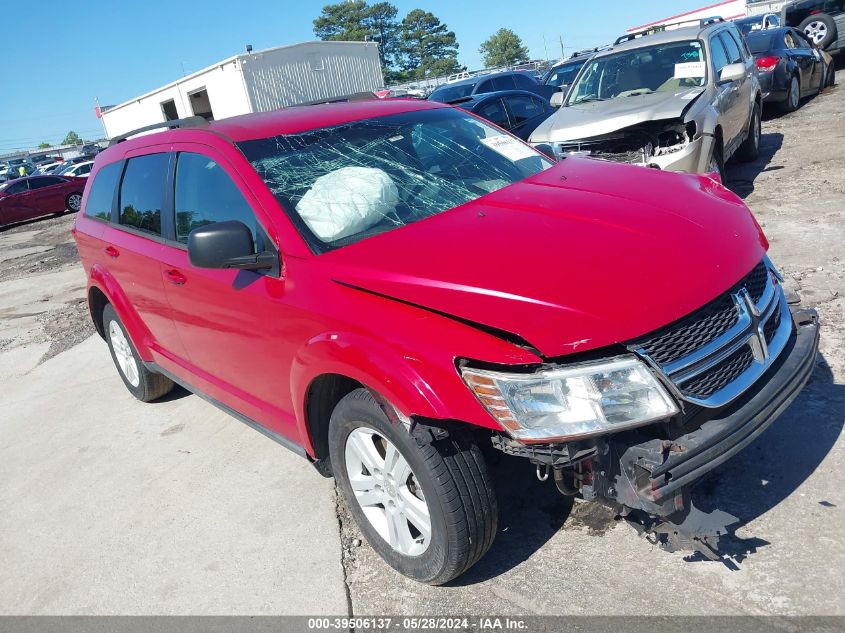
(58, 56)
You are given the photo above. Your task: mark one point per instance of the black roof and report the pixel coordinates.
(470, 101)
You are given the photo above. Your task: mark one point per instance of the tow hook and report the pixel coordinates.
(689, 529)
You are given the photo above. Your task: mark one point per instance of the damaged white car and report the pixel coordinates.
(685, 99)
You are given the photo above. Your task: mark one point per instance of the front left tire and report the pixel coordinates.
(426, 505)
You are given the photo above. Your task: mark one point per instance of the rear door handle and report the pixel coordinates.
(175, 277)
(111, 251)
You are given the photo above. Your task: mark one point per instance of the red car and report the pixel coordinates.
(31, 197)
(395, 289)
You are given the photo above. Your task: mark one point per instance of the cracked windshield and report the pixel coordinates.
(342, 184)
(672, 67)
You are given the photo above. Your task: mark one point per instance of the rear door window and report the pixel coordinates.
(142, 192)
(38, 183)
(524, 82)
(101, 194)
(205, 194)
(505, 82)
(523, 107)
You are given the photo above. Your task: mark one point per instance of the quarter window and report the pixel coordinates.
(205, 194)
(101, 194)
(142, 192)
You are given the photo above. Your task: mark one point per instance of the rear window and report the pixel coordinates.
(447, 94)
(101, 194)
(142, 192)
(760, 43)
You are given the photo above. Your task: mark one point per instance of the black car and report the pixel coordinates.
(563, 74)
(494, 82)
(759, 22)
(789, 65)
(517, 111)
(823, 21)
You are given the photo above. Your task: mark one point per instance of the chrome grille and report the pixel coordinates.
(713, 355)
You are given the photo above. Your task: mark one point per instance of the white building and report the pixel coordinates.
(255, 82)
(728, 9)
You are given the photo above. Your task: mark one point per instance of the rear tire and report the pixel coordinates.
(793, 96)
(819, 29)
(750, 148)
(447, 477)
(142, 383)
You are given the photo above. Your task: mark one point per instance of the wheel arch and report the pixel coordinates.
(103, 289)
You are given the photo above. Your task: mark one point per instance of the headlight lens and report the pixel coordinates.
(572, 402)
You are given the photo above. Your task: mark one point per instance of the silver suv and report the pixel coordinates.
(685, 99)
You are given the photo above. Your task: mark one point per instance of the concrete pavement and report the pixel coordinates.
(111, 506)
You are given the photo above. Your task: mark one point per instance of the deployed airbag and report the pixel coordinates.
(347, 201)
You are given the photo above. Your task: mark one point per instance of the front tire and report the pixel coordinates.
(74, 202)
(140, 381)
(750, 148)
(717, 164)
(425, 505)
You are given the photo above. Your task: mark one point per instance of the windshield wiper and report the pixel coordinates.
(640, 92)
(588, 99)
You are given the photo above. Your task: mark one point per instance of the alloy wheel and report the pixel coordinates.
(387, 491)
(123, 354)
(794, 93)
(816, 31)
(74, 201)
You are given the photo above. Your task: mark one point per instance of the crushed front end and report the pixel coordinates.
(672, 145)
(732, 367)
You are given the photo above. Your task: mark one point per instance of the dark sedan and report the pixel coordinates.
(493, 82)
(27, 198)
(789, 65)
(517, 111)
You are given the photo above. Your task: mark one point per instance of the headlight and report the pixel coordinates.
(572, 402)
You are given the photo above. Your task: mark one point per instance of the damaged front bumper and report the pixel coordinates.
(646, 474)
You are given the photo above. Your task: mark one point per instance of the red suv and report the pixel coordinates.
(396, 289)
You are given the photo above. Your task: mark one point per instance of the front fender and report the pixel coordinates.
(138, 333)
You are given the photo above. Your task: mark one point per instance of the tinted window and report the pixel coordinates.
(101, 194)
(205, 194)
(142, 192)
(485, 86)
(494, 111)
(524, 82)
(37, 183)
(451, 93)
(731, 47)
(720, 58)
(760, 42)
(563, 75)
(18, 187)
(505, 82)
(523, 108)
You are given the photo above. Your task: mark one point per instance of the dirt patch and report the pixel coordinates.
(595, 517)
(50, 237)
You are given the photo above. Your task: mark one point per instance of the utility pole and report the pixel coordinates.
(560, 37)
(545, 48)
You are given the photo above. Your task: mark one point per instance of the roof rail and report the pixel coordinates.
(659, 28)
(589, 51)
(355, 96)
(191, 121)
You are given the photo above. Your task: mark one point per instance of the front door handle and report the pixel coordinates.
(175, 277)
(111, 251)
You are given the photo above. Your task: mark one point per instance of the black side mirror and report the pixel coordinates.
(226, 245)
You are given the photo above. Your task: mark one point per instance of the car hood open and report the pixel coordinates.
(594, 118)
(580, 256)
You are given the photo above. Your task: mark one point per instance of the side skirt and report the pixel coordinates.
(296, 448)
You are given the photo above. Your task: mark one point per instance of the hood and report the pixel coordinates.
(594, 118)
(580, 256)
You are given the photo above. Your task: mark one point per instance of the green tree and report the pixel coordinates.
(356, 21)
(503, 48)
(426, 45)
(44, 145)
(72, 138)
